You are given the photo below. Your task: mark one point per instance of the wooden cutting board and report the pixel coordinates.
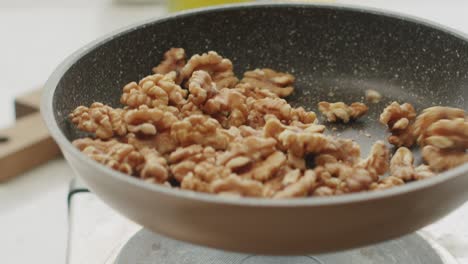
(27, 143)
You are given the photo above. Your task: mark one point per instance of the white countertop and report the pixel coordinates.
(35, 37)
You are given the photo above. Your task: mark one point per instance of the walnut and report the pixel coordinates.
(154, 91)
(341, 111)
(267, 106)
(301, 143)
(343, 150)
(323, 191)
(423, 172)
(274, 185)
(277, 107)
(100, 119)
(398, 119)
(447, 134)
(189, 109)
(273, 127)
(230, 105)
(401, 164)
(247, 131)
(148, 121)
(373, 96)
(279, 83)
(155, 166)
(116, 155)
(299, 114)
(386, 183)
(162, 142)
(432, 114)
(252, 147)
(295, 161)
(299, 188)
(201, 87)
(263, 170)
(219, 68)
(377, 163)
(253, 92)
(200, 129)
(290, 177)
(185, 160)
(253, 157)
(238, 185)
(174, 60)
(190, 182)
(441, 160)
(323, 159)
(342, 178)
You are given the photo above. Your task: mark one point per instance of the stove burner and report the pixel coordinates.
(146, 248)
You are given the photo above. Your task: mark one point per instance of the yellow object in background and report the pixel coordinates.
(177, 5)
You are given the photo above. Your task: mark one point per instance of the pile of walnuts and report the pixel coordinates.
(194, 125)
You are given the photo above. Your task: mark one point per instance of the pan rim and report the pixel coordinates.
(48, 116)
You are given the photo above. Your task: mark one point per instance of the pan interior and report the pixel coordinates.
(334, 53)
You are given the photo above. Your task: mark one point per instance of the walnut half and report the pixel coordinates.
(398, 119)
(341, 111)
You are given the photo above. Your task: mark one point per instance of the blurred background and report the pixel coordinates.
(36, 35)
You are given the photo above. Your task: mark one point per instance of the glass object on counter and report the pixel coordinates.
(177, 5)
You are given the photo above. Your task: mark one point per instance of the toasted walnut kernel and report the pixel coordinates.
(148, 121)
(299, 188)
(201, 87)
(200, 129)
(343, 150)
(423, 172)
(301, 143)
(386, 183)
(100, 119)
(190, 182)
(341, 111)
(154, 91)
(273, 127)
(229, 104)
(155, 166)
(401, 164)
(343, 178)
(324, 191)
(198, 160)
(278, 108)
(116, 155)
(373, 96)
(238, 185)
(291, 177)
(263, 170)
(174, 60)
(398, 119)
(377, 162)
(189, 109)
(219, 68)
(253, 92)
(431, 115)
(253, 157)
(442, 160)
(279, 83)
(448, 134)
(162, 142)
(296, 162)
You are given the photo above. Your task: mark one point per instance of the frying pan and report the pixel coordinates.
(336, 53)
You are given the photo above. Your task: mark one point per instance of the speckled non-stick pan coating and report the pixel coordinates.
(336, 53)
